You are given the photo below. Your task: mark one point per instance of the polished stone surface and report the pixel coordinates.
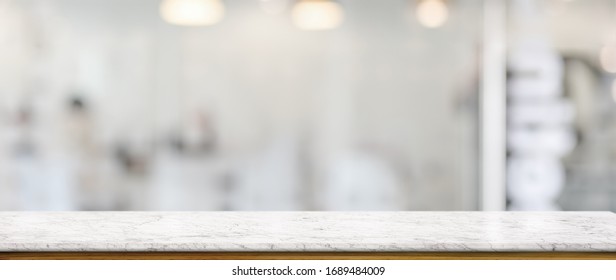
(308, 231)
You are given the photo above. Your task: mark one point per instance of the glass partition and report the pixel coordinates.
(561, 109)
(239, 105)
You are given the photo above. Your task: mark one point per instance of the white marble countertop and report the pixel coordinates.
(308, 231)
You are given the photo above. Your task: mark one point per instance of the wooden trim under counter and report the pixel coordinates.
(307, 256)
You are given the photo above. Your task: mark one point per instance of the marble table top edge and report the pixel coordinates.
(307, 232)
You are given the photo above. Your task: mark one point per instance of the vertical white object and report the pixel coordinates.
(538, 144)
(493, 107)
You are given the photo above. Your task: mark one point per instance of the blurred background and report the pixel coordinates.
(307, 105)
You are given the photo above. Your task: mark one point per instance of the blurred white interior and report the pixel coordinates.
(260, 105)
(252, 113)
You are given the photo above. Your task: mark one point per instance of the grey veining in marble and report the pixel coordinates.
(308, 231)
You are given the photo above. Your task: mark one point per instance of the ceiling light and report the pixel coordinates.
(432, 13)
(317, 14)
(192, 12)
